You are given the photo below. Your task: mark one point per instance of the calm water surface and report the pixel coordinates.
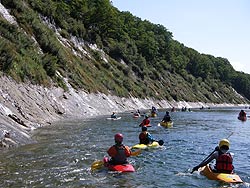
(65, 151)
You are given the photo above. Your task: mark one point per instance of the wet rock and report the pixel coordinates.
(6, 141)
(17, 119)
(65, 96)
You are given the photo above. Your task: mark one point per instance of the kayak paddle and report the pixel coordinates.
(135, 153)
(97, 165)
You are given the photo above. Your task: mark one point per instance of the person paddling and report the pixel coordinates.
(224, 160)
(145, 137)
(166, 118)
(113, 115)
(118, 152)
(145, 122)
(137, 113)
(242, 114)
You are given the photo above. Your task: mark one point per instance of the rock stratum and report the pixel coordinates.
(25, 107)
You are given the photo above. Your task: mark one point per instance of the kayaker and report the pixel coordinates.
(173, 109)
(145, 137)
(224, 160)
(166, 118)
(153, 109)
(119, 152)
(113, 115)
(145, 122)
(242, 114)
(137, 113)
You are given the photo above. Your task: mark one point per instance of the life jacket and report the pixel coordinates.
(120, 157)
(224, 163)
(143, 137)
(242, 114)
(145, 122)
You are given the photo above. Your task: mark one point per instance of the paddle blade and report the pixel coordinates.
(161, 142)
(135, 153)
(97, 165)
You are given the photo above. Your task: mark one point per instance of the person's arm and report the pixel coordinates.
(141, 124)
(127, 151)
(150, 138)
(205, 162)
(213, 155)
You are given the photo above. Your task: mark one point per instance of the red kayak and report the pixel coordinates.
(120, 168)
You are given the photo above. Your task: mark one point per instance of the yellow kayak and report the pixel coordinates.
(153, 114)
(144, 146)
(167, 124)
(229, 178)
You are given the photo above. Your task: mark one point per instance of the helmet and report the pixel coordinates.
(118, 137)
(224, 142)
(167, 112)
(144, 128)
(146, 116)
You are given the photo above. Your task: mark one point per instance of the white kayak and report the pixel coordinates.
(114, 118)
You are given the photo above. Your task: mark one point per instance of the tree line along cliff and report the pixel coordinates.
(101, 49)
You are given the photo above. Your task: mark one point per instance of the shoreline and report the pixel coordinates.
(25, 107)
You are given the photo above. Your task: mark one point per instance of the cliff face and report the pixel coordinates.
(25, 107)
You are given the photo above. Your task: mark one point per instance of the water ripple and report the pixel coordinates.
(64, 152)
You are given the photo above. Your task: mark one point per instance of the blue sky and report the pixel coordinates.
(217, 27)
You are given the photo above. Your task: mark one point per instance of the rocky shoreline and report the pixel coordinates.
(25, 107)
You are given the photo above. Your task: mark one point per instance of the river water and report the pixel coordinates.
(65, 151)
